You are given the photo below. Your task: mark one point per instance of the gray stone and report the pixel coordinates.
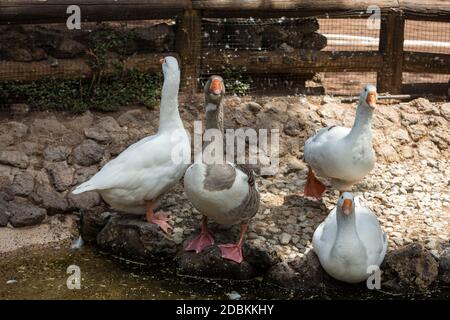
(48, 198)
(253, 106)
(87, 153)
(16, 129)
(47, 126)
(23, 184)
(137, 239)
(92, 223)
(61, 175)
(285, 238)
(444, 266)
(3, 213)
(412, 267)
(97, 134)
(84, 200)
(84, 173)
(132, 118)
(109, 124)
(56, 153)
(14, 158)
(23, 214)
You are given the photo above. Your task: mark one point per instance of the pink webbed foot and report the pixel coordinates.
(203, 240)
(161, 221)
(232, 252)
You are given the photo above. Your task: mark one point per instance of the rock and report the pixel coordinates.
(69, 48)
(253, 106)
(83, 174)
(285, 238)
(84, 200)
(87, 153)
(15, 129)
(56, 153)
(6, 140)
(132, 118)
(97, 134)
(304, 273)
(444, 267)
(47, 126)
(294, 164)
(445, 111)
(14, 158)
(23, 184)
(209, 263)
(417, 131)
(30, 148)
(412, 267)
(428, 149)
(48, 198)
(19, 108)
(425, 106)
(137, 239)
(61, 175)
(108, 124)
(23, 214)
(4, 217)
(409, 118)
(92, 223)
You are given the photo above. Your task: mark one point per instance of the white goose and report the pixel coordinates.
(220, 190)
(343, 155)
(349, 241)
(134, 181)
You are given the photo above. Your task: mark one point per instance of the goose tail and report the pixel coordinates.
(84, 187)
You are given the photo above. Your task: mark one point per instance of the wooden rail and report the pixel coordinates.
(390, 61)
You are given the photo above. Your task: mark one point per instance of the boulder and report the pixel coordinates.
(61, 175)
(137, 239)
(83, 201)
(303, 274)
(47, 126)
(48, 198)
(23, 214)
(87, 153)
(4, 217)
(92, 223)
(16, 129)
(210, 264)
(444, 267)
(14, 158)
(23, 184)
(56, 153)
(132, 118)
(411, 267)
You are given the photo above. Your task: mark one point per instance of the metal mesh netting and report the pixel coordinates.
(426, 36)
(263, 56)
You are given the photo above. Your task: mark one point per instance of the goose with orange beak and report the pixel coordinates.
(342, 155)
(222, 191)
(136, 179)
(350, 240)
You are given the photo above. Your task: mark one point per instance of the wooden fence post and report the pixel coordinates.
(389, 78)
(188, 45)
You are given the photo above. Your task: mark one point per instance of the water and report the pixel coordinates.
(43, 274)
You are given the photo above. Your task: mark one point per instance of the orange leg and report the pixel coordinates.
(156, 218)
(233, 251)
(313, 187)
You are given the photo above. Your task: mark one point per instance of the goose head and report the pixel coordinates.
(214, 90)
(368, 97)
(346, 204)
(170, 68)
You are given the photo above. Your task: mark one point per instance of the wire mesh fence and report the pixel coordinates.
(112, 63)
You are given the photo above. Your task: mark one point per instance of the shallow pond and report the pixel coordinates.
(43, 275)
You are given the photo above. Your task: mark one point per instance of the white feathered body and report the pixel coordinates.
(343, 158)
(143, 172)
(217, 205)
(346, 250)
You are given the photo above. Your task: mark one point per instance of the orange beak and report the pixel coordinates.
(347, 206)
(161, 60)
(372, 99)
(216, 86)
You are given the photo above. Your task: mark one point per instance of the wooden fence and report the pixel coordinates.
(389, 61)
